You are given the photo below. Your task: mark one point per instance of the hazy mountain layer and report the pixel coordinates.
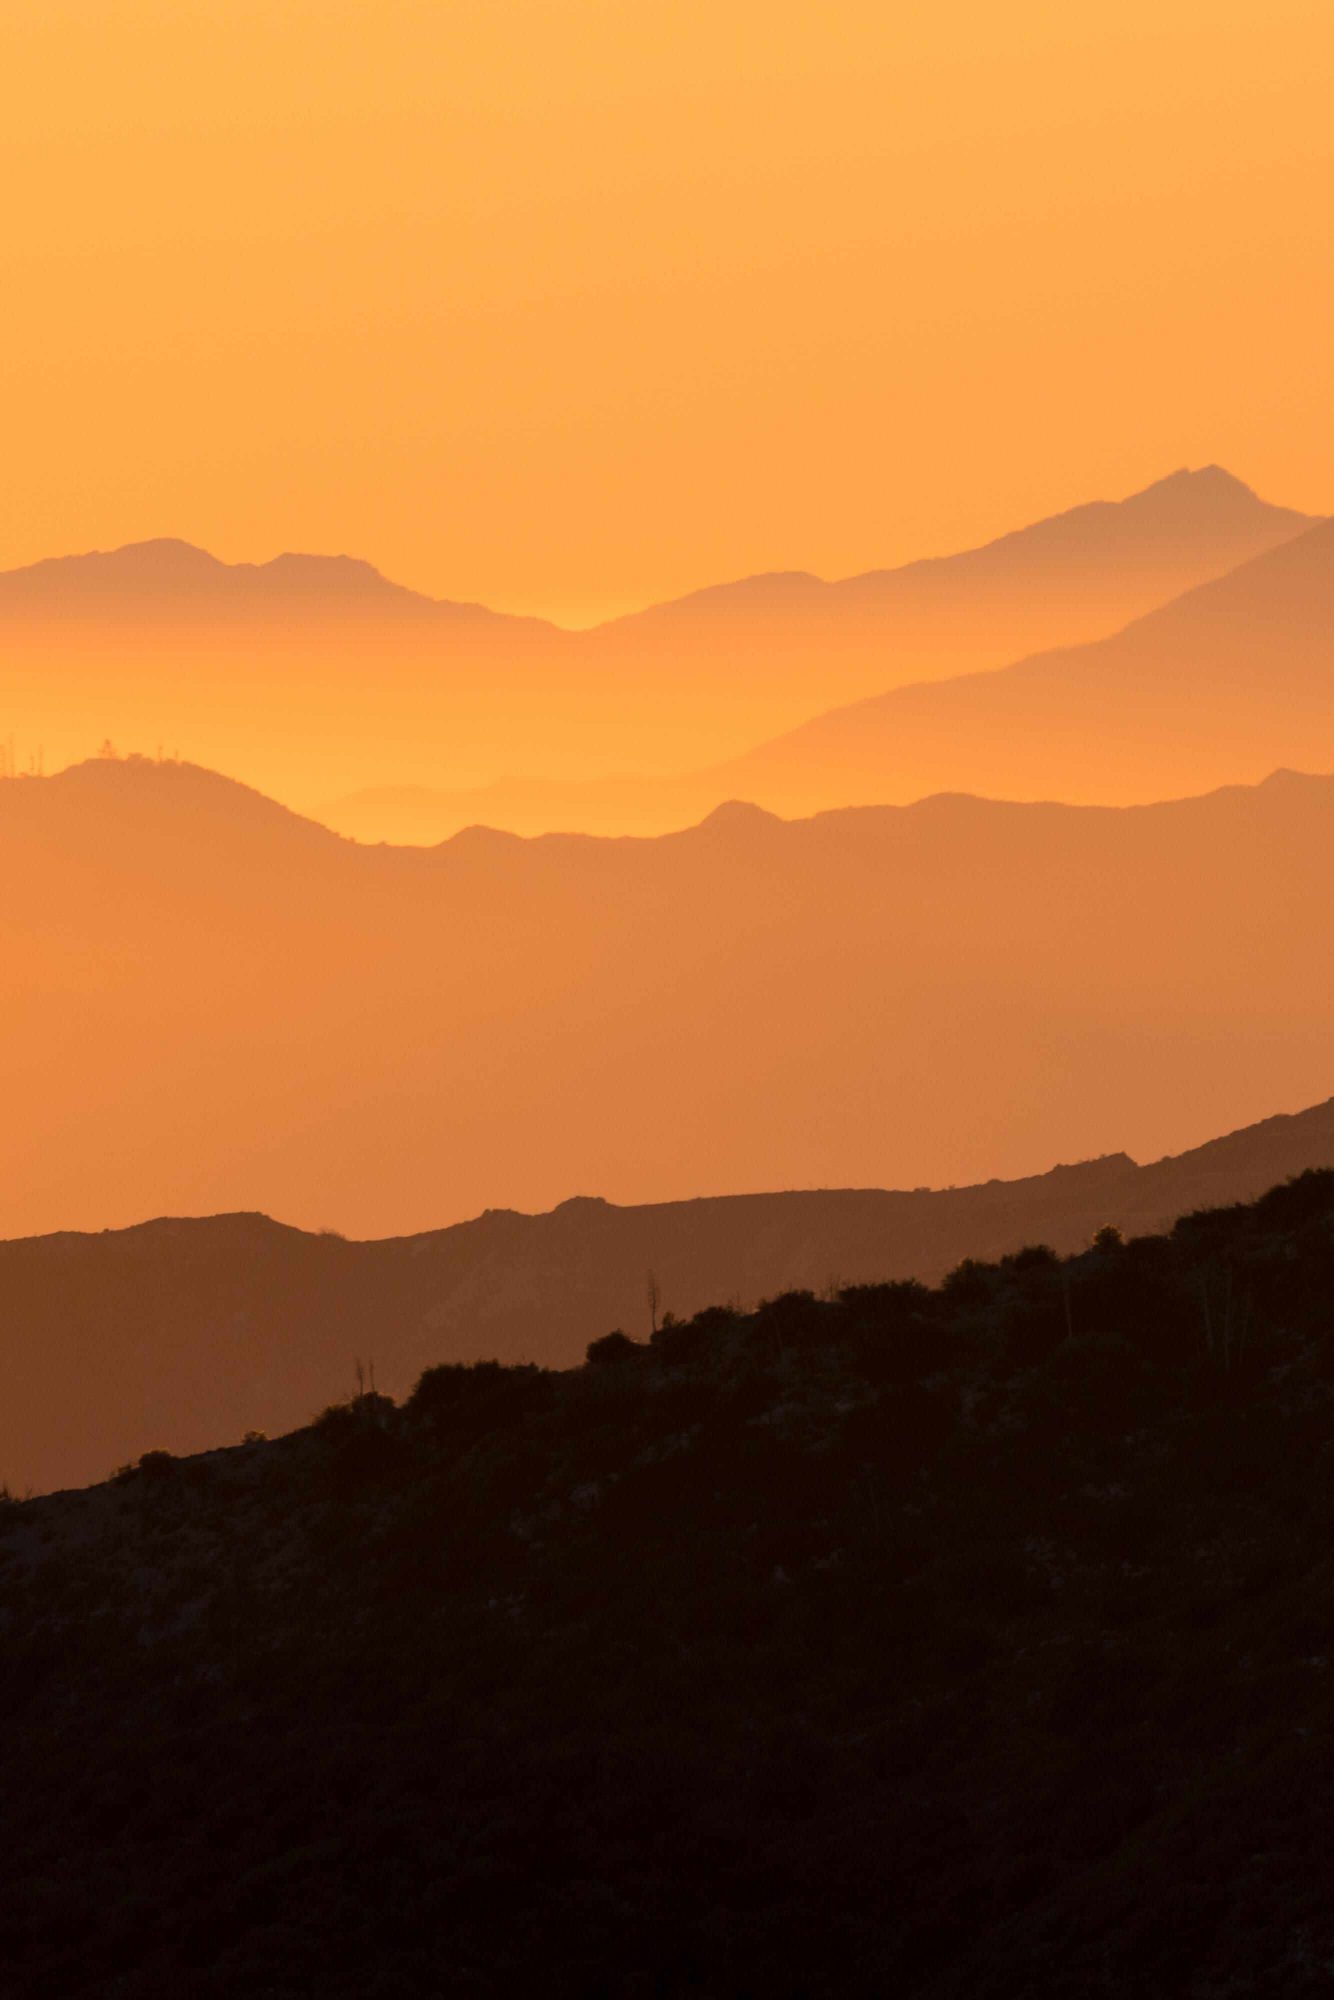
(1217, 687)
(312, 676)
(180, 1333)
(225, 1007)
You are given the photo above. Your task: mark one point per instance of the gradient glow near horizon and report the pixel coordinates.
(568, 307)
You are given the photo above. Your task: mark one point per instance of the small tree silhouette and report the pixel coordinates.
(615, 1346)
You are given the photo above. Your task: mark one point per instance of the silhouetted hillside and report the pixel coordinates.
(313, 675)
(969, 1642)
(180, 1333)
(225, 1007)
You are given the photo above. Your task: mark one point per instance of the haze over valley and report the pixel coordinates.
(1217, 686)
(329, 687)
(226, 1006)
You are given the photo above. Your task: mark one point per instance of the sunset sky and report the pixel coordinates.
(567, 307)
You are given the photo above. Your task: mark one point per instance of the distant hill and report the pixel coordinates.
(158, 582)
(312, 676)
(1089, 565)
(223, 1006)
(181, 1332)
(947, 1644)
(1217, 687)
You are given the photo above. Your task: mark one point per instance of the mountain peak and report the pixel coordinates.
(738, 814)
(164, 559)
(1191, 487)
(172, 573)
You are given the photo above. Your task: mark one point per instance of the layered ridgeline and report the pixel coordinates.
(223, 1007)
(951, 1645)
(180, 1333)
(312, 676)
(1217, 687)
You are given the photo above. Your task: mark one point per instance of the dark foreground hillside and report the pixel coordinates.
(977, 1642)
(186, 1333)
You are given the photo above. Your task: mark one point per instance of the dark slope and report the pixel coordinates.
(970, 1643)
(181, 1332)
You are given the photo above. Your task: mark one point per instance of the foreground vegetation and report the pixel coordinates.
(969, 1641)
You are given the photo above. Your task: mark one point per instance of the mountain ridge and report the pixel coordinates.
(1230, 679)
(272, 1314)
(737, 814)
(1248, 602)
(317, 677)
(158, 556)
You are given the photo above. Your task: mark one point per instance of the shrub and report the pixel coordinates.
(969, 1284)
(893, 1332)
(477, 1395)
(680, 1341)
(361, 1443)
(157, 1465)
(797, 1319)
(362, 1414)
(1033, 1257)
(615, 1346)
(1307, 1197)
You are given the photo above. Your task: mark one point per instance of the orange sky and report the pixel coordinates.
(571, 304)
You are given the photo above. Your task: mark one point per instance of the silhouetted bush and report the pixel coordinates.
(969, 1285)
(678, 1342)
(794, 1319)
(358, 1413)
(1032, 1258)
(894, 1330)
(156, 1468)
(613, 1347)
(477, 1396)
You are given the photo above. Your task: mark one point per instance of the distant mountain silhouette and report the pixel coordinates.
(1218, 687)
(225, 1006)
(313, 675)
(182, 1333)
(1105, 553)
(158, 580)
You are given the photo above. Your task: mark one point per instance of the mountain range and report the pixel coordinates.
(316, 678)
(223, 1006)
(1216, 687)
(181, 1333)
